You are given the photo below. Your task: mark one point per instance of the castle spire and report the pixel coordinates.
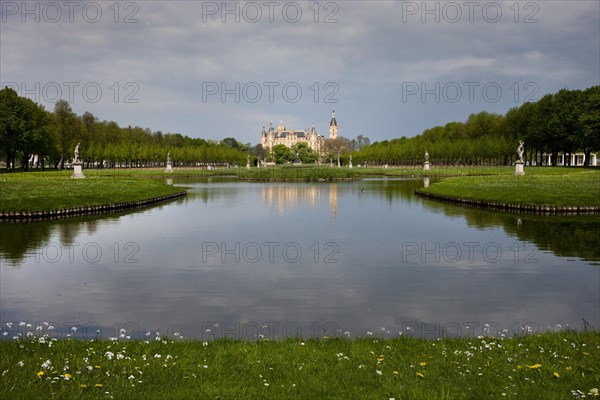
(333, 121)
(333, 127)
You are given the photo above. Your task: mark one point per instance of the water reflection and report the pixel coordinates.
(358, 256)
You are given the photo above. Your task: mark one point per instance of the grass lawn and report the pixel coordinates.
(572, 187)
(555, 365)
(56, 190)
(53, 190)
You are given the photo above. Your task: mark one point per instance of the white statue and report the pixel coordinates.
(426, 156)
(521, 150)
(76, 160)
(169, 162)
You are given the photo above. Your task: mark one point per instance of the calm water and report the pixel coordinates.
(279, 260)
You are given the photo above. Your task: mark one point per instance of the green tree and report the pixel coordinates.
(65, 128)
(282, 154)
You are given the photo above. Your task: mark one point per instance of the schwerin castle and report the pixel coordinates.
(281, 135)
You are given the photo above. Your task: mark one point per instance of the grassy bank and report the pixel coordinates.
(555, 365)
(573, 187)
(56, 190)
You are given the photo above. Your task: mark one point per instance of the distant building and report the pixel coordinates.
(577, 159)
(281, 135)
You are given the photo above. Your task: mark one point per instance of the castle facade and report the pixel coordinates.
(281, 135)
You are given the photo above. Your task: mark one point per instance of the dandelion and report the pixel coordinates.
(556, 375)
(40, 374)
(420, 375)
(534, 366)
(68, 377)
(395, 372)
(98, 385)
(83, 386)
(422, 363)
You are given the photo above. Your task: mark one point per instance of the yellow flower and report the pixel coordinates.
(98, 385)
(83, 386)
(68, 376)
(556, 375)
(40, 374)
(519, 366)
(325, 337)
(422, 363)
(420, 375)
(569, 368)
(534, 366)
(97, 366)
(586, 353)
(396, 373)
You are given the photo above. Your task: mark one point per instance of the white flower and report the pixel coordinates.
(46, 364)
(378, 372)
(157, 356)
(20, 363)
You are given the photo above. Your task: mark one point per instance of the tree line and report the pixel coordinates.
(27, 129)
(567, 121)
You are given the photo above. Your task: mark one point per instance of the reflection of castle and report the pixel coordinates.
(289, 138)
(282, 197)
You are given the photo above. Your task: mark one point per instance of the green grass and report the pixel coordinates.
(572, 187)
(547, 366)
(56, 190)
(52, 190)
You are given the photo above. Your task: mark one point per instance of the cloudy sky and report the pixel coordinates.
(215, 69)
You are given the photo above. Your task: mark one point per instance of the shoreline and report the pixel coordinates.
(512, 207)
(27, 216)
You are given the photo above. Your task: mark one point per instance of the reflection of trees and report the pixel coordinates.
(565, 236)
(16, 240)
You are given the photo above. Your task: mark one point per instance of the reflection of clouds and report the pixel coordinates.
(371, 287)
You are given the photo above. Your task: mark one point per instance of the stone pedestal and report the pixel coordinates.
(78, 171)
(426, 182)
(426, 166)
(169, 168)
(519, 168)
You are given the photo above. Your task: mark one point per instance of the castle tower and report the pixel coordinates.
(333, 127)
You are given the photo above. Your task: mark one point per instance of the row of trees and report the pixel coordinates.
(26, 128)
(566, 121)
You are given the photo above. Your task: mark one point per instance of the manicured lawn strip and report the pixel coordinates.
(54, 191)
(580, 188)
(547, 366)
